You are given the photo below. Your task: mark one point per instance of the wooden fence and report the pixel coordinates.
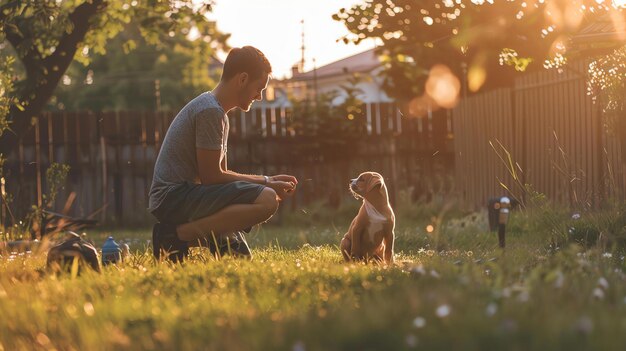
(112, 157)
(546, 132)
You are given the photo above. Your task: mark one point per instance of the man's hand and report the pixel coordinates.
(285, 178)
(282, 188)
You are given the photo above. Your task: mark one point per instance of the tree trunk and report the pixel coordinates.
(43, 75)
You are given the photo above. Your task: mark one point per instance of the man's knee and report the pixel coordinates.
(268, 200)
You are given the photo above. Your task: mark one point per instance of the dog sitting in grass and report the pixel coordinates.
(371, 233)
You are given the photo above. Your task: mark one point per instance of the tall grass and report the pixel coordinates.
(451, 288)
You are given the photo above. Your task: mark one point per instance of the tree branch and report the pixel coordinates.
(36, 95)
(12, 34)
(80, 18)
(31, 60)
(57, 63)
(8, 6)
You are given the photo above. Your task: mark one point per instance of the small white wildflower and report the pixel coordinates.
(607, 255)
(419, 322)
(602, 282)
(598, 293)
(464, 280)
(584, 325)
(508, 325)
(299, 346)
(576, 216)
(411, 340)
(560, 279)
(443, 311)
(89, 309)
(583, 262)
(418, 270)
(491, 309)
(523, 296)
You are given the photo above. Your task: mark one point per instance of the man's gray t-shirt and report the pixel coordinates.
(202, 123)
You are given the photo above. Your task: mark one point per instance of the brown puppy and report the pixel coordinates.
(371, 233)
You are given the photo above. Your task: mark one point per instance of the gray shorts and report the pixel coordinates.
(187, 202)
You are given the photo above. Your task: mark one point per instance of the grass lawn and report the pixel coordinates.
(450, 289)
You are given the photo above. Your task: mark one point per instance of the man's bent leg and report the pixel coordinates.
(234, 244)
(231, 218)
(165, 241)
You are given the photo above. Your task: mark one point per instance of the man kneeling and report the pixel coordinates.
(195, 197)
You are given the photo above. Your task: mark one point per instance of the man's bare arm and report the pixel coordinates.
(212, 171)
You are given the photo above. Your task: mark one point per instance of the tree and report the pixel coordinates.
(47, 36)
(607, 85)
(478, 40)
(349, 116)
(149, 77)
(607, 81)
(6, 91)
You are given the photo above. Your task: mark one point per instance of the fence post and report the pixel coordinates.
(622, 141)
(38, 170)
(103, 155)
(144, 163)
(118, 187)
(50, 139)
(394, 171)
(600, 155)
(3, 214)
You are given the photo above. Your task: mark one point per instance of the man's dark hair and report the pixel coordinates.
(246, 59)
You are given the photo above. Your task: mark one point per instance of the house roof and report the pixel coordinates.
(602, 33)
(359, 63)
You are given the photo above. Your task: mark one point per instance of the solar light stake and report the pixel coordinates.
(503, 218)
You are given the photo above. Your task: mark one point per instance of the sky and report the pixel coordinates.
(274, 27)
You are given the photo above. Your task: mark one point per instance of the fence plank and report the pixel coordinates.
(553, 125)
(410, 151)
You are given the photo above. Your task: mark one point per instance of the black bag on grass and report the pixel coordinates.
(61, 257)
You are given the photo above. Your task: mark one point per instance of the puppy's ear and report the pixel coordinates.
(374, 181)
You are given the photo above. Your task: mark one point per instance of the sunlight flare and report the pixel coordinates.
(443, 86)
(476, 77)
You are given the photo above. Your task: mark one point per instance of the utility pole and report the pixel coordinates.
(157, 94)
(315, 82)
(302, 48)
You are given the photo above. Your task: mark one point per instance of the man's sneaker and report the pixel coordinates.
(164, 240)
(234, 244)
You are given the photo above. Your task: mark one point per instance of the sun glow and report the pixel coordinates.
(274, 26)
(619, 3)
(443, 86)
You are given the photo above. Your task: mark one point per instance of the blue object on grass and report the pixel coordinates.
(111, 252)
